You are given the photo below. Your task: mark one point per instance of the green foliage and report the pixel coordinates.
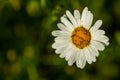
(25, 40)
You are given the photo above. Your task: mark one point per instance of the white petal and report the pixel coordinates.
(80, 60)
(72, 59)
(77, 16)
(62, 27)
(92, 54)
(103, 42)
(59, 33)
(58, 51)
(56, 33)
(61, 49)
(94, 50)
(88, 56)
(62, 39)
(55, 45)
(100, 38)
(84, 13)
(67, 23)
(96, 26)
(68, 55)
(98, 35)
(84, 62)
(88, 21)
(63, 54)
(72, 19)
(98, 45)
(90, 51)
(59, 44)
(101, 32)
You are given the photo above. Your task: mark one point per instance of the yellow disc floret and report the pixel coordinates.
(81, 37)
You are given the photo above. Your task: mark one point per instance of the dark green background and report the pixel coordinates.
(25, 40)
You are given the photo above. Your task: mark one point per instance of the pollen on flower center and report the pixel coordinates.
(81, 37)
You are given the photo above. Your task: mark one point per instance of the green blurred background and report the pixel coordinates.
(25, 40)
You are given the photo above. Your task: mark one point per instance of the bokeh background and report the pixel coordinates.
(25, 40)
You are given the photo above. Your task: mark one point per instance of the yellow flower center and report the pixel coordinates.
(81, 37)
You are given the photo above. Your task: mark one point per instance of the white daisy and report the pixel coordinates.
(78, 41)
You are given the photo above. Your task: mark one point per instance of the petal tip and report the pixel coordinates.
(86, 8)
(53, 33)
(100, 21)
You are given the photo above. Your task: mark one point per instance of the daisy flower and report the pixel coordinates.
(78, 41)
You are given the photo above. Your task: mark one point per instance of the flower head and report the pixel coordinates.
(78, 41)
